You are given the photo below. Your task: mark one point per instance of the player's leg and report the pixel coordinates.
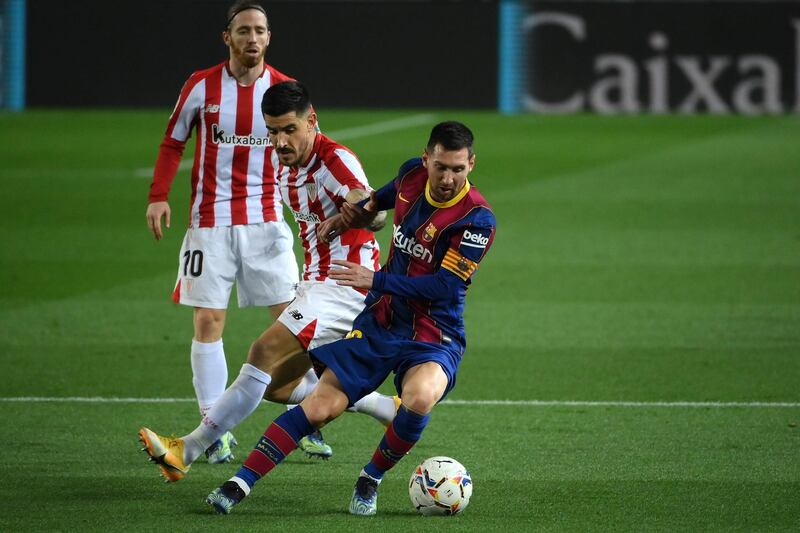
(266, 276)
(209, 368)
(276, 352)
(210, 262)
(206, 269)
(210, 374)
(422, 386)
(270, 354)
(333, 309)
(281, 438)
(379, 406)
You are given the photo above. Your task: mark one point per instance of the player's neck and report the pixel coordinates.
(245, 75)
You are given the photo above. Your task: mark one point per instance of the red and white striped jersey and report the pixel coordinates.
(228, 179)
(314, 192)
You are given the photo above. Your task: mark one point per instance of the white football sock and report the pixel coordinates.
(376, 405)
(209, 373)
(238, 401)
(304, 388)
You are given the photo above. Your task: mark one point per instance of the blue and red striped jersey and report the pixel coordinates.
(436, 248)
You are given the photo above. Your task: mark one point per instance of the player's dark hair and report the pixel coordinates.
(243, 5)
(451, 135)
(286, 97)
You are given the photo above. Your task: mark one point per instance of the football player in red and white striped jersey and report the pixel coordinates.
(316, 177)
(236, 225)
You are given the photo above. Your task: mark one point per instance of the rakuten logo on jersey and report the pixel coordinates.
(219, 137)
(410, 245)
(476, 240)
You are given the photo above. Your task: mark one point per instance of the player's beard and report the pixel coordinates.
(248, 60)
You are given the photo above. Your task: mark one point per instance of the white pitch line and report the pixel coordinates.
(338, 135)
(580, 403)
(380, 127)
(524, 403)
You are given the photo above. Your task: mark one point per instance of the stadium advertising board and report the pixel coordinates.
(662, 57)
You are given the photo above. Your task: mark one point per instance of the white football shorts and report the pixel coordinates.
(322, 312)
(258, 257)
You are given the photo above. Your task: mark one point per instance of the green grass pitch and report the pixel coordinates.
(637, 259)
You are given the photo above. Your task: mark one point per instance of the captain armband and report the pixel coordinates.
(458, 264)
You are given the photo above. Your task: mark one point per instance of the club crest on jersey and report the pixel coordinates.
(219, 137)
(311, 189)
(430, 231)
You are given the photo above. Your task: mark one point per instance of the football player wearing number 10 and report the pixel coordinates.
(236, 226)
(413, 321)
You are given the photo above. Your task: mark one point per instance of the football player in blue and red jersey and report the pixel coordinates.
(413, 321)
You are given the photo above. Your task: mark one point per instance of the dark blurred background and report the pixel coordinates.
(547, 56)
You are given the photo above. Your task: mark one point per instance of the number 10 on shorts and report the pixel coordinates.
(193, 263)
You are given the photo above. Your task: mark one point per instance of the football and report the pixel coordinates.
(440, 486)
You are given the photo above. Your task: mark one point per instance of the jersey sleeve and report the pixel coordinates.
(179, 129)
(469, 244)
(384, 197)
(440, 285)
(346, 174)
(387, 195)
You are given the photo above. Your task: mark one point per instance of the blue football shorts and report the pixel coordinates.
(364, 359)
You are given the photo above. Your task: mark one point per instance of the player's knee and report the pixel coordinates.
(321, 409)
(262, 354)
(208, 325)
(277, 396)
(420, 400)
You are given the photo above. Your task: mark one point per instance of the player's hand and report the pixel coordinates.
(155, 211)
(330, 228)
(359, 217)
(352, 275)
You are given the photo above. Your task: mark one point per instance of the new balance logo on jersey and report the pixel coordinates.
(308, 218)
(212, 108)
(219, 137)
(410, 245)
(297, 315)
(475, 240)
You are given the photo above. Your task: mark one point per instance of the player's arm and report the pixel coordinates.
(357, 196)
(441, 285)
(332, 227)
(169, 156)
(467, 248)
(364, 212)
(347, 184)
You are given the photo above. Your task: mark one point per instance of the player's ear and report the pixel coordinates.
(312, 120)
(226, 38)
(425, 158)
(471, 162)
